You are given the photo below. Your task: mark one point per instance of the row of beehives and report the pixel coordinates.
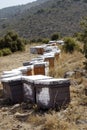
(45, 62)
(45, 91)
(40, 65)
(46, 48)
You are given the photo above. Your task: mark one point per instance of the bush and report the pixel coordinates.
(2, 43)
(45, 40)
(20, 45)
(14, 47)
(39, 40)
(84, 39)
(1, 53)
(78, 36)
(6, 51)
(55, 36)
(11, 43)
(70, 45)
(33, 41)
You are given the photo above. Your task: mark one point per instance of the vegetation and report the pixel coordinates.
(84, 39)
(6, 52)
(42, 21)
(45, 40)
(11, 42)
(70, 45)
(55, 36)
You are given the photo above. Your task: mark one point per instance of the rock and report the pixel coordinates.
(4, 109)
(69, 74)
(15, 108)
(81, 121)
(21, 116)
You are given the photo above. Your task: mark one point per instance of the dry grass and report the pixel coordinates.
(74, 117)
(15, 60)
(67, 62)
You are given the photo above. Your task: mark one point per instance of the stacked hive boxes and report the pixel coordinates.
(52, 93)
(29, 86)
(39, 66)
(37, 49)
(12, 86)
(45, 91)
(25, 70)
(50, 55)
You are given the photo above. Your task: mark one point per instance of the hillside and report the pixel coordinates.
(41, 19)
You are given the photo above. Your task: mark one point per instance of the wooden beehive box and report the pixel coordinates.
(39, 68)
(33, 50)
(51, 60)
(22, 69)
(29, 87)
(30, 70)
(52, 93)
(40, 50)
(13, 88)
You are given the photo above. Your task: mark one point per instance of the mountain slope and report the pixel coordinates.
(14, 10)
(47, 17)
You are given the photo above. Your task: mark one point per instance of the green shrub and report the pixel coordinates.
(13, 35)
(70, 44)
(32, 40)
(20, 45)
(11, 43)
(1, 53)
(39, 40)
(84, 39)
(55, 36)
(14, 47)
(6, 51)
(78, 36)
(2, 43)
(45, 40)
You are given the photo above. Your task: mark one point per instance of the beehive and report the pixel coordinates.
(22, 69)
(37, 50)
(50, 59)
(52, 44)
(36, 60)
(13, 88)
(27, 63)
(30, 70)
(39, 68)
(29, 87)
(26, 70)
(52, 93)
(12, 72)
(8, 74)
(48, 49)
(40, 49)
(33, 50)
